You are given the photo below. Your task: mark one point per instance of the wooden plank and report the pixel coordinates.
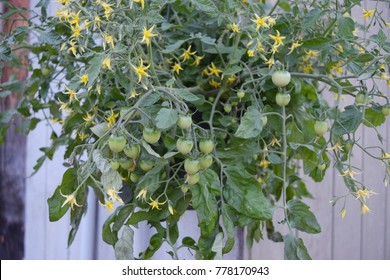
(387, 192)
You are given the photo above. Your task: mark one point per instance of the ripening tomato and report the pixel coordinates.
(145, 165)
(206, 161)
(193, 179)
(282, 99)
(132, 151)
(116, 143)
(281, 78)
(151, 135)
(134, 177)
(184, 121)
(321, 127)
(241, 94)
(127, 164)
(191, 166)
(114, 164)
(227, 108)
(184, 146)
(206, 146)
(264, 120)
(321, 166)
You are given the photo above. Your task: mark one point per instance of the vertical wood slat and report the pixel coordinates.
(387, 192)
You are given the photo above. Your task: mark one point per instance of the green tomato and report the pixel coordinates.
(386, 111)
(46, 71)
(132, 151)
(361, 99)
(145, 165)
(151, 135)
(206, 146)
(184, 146)
(116, 143)
(321, 127)
(114, 164)
(281, 78)
(193, 179)
(184, 121)
(348, 146)
(211, 99)
(241, 94)
(321, 166)
(227, 108)
(127, 164)
(191, 166)
(264, 120)
(184, 188)
(282, 99)
(206, 161)
(134, 177)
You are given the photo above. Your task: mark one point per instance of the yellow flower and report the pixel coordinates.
(72, 94)
(311, 53)
(170, 209)
(133, 94)
(368, 13)
(274, 142)
(260, 180)
(260, 22)
(271, 21)
(231, 79)
(87, 24)
(235, 28)
(187, 54)
(274, 49)
(308, 68)
(64, 2)
(213, 70)
(205, 72)
(107, 63)
(364, 194)
(71, 199)
(155, 204)
(84, 79)
(387, 24)
(97, 21)
(64, 106)
(111, 119)
(294, 46)
(214, 83)
(176, 68)
(142, 194)
(365, 209)
(384, 76)
(278, 40)
(113, 195)
(140, 70)
(197, 60)
(386, 155)
(75, 20)
(82, 136)
(264, 163)
(76, 32)
(108, 204)
(108, 39)
(270, 62)
(336, 147)
(343, 212)
(142, 3)
(62, 14)
(147, 34)
(259, 47)
(250, 53)
(107, 9)
(89, 118)
(349, 172)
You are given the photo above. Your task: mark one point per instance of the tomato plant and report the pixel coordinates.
(163, 110)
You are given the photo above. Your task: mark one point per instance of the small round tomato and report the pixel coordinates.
(206, 146)
(46, 71)
(191, 166)
(193, 179)
(281, 78)
(134, 177)
(206, 161)
(227, 108)
(321, 127)
(184, 146)
(127, 164)
(241, 94)
(145, 165)
(348, 146)
(386, 110)
(282, 99)
(184, 188)
(151, 135)
(114, 164)
(211, 99)
(132, 151)
(116, 143)
(321, 166)
(184, 121)
(264, 120)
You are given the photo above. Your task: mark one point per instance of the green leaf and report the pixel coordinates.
(244, 194)
(206, 6)
(250, 125)
(100, 129)
(112, 180)
(122, 214)
(186, 95)
(217, 246)
(367, 75)
(232, 70)
(151, 180)
(155, 243)
(205, 205)
(317, 43)
(301, 217)
(68, 186)
(173, 47)
(110, 236)
(102, 164)
(77, 214)
(95, 65)
(227, 214)
(274, 159)
(346, 26)
(166, 118)
(374, 118)
(149, 149)
(348, 121)
(294, 248)
(124, 246)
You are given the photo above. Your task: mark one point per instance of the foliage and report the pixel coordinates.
(122, 77)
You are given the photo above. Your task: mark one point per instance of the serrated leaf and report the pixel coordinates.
(347, 122)
(294, 248)
(95, 66)
(124, 246)
(170, 154)
(301, 217)
(149, 149)
(250, 125)
(100, 129)
(206, 6)
(228, 223)
(173, 47)
(102, 164)
(367, 75)
(111, 180)
(346, 26)
(218, 246)
(166, 118)
(232, 70)
(186, 95)
(373, 118)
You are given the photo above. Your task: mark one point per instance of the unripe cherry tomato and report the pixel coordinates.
(206, 161)
(321, 127)
(132, 151)
(386, 111)
(281, 78)
(127, 164)
(206, 146)
(151, 135)
(134, 177)
(184, 121)
(193, 179)
(227, 108)
(145, 165)
(191, 166)
(282, 99)
(114, 164)
(116, 143)
(241, 94)
(264, 120)
(184, 146)
(321, 166)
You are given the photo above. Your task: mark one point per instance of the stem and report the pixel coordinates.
(174, 249)
(274, 8)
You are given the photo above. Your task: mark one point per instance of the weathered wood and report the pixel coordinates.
(12, 159)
